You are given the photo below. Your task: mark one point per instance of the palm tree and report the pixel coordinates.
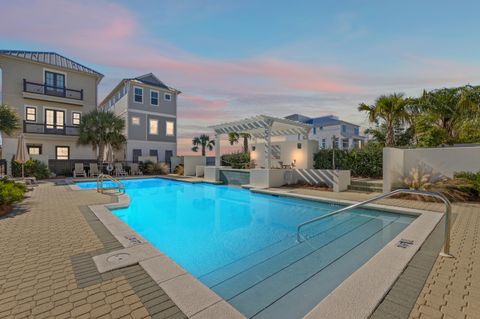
(8, 120)
(101, 128)
(204, 141)
(388, 109)
(234, 137)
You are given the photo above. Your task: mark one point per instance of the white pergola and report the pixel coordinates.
(261, 126)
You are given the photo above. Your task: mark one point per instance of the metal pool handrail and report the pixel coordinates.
(448, 213)
(100, 179)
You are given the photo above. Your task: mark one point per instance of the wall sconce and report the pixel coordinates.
(299, 146)
(253, 148)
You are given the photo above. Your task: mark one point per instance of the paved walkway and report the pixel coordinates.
(452, 288)
(46, 270)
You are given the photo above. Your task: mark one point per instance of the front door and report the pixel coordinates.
(54, 121)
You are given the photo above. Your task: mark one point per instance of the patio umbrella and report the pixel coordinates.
(109, 158)
(22, 153)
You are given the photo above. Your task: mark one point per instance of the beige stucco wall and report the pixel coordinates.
(14, 70)
(437, 162)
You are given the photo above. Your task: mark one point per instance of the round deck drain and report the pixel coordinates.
(118, 257)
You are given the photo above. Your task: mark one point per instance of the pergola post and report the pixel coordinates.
(218, 157)
(268, 148)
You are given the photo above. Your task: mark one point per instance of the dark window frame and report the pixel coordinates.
(39, 146)
(26, 113)
(79, 118)
(152, 98)
(135, 95)
(56, 152)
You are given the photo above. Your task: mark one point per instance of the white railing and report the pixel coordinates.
(448, 213)
(118, 184)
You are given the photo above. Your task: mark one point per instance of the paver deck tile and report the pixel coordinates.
(47, 249)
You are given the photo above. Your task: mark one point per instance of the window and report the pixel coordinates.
(324, 143)
(54, 83)
(153, 127)
(76, 117)
(345, 143)
(62, 152)
(31, 114)
(154, 97)
(167, 97)
(314, 131)
(344, 128)
(135, 120)
(138, 95)
(34, 149)
(170, 128)
(356, 131)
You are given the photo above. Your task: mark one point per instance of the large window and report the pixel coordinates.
(153, 127)
(62, 152)
(170, 128)
(34, 149)
(31, 114)
(356, 131)
(54, 83)
(154, 97)
(345, 143)
(138, 94)
(76, 117)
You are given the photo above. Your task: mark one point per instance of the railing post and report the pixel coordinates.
(81, 94)
(24, 85)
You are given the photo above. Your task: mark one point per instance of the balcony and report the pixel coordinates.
(52, 129)
(42, 89)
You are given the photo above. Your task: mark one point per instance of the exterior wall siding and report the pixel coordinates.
(14, 71)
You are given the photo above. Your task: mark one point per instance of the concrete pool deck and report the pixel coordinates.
(46, 266)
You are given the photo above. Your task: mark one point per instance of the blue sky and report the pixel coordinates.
(235, 59)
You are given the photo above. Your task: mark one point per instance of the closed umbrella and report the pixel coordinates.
(22, 153)
(109, 158)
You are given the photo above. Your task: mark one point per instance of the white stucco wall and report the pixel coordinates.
(191, 162)
(289, 152)
(438, 162)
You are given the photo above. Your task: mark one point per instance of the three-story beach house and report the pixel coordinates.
(149, 108)
(50, 93)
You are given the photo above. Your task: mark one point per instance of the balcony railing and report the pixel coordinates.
(54, 129)
(40, 88)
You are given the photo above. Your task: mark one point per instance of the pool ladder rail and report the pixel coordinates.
(448, 213)
(120, 187)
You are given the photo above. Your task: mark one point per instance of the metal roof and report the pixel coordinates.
(50, 58)
(257, 125)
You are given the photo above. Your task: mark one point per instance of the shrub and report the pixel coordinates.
(363, 162)
(474, 178)
(10, 192)
(149, 168)
(33, 168)
(236, 160)
(179, 169)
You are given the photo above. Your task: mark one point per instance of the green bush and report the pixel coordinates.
(363, 162)
(236, 160)
(33, 168)
(10, 192)
(473, 178)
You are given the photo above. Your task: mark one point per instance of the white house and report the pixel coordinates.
(325, 128)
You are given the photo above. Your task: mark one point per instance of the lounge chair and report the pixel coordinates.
(119, 171)
(94, 170)
(79, 170)
(135, 170)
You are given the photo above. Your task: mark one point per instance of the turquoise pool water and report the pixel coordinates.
(242, 244)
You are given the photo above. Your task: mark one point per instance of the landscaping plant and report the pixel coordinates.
(33, 168)
(10, 193)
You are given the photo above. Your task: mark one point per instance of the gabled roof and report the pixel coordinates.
(327, 120)
(50, 58)
(151, 79)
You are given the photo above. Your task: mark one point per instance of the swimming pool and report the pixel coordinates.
(242, 244)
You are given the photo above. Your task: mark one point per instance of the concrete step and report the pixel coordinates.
(367, 189)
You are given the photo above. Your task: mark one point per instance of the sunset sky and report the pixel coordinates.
(234, 59)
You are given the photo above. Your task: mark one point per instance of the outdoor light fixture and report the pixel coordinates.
(253, 148)
(299, 145)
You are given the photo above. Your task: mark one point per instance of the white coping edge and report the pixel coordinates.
(190, 295)
(356, 297)
(359, 294)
